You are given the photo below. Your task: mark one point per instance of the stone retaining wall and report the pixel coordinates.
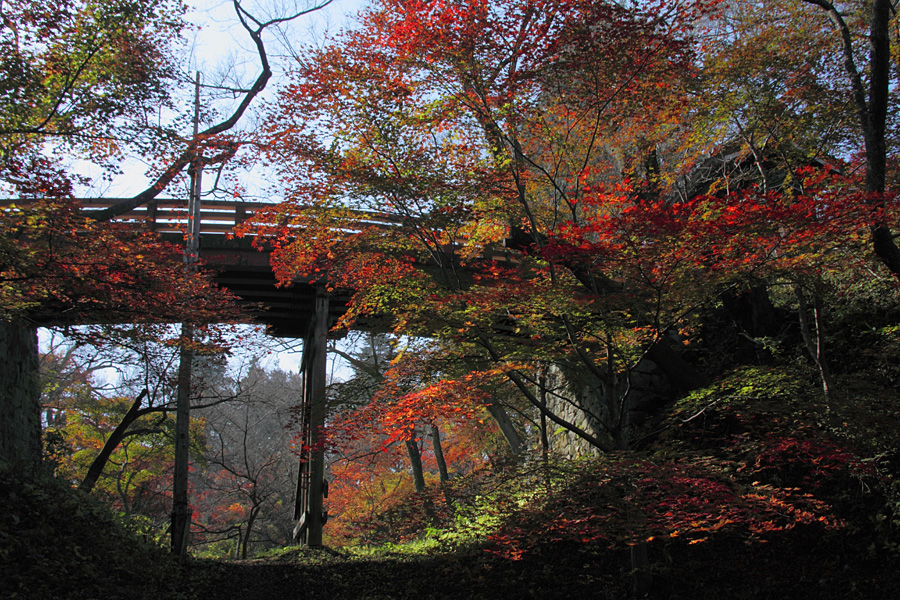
(20, 395)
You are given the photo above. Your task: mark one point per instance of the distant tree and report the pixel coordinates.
(108, 403)
(371, 359)
(248, 476)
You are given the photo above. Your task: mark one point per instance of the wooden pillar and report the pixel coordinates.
(181, 511)
(309, 508)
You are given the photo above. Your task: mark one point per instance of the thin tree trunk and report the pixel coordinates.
(439, 453)
(528, 393)
(815, 343)
(239, 543)
(246, 541)
(415, 459)
(112, 442)
(642, 576)
(545, 439)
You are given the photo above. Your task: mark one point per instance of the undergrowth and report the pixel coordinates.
(56, 542)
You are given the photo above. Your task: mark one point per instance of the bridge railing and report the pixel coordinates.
(170, 215)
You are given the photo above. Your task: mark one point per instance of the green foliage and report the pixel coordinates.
(746, 386)
(81, 74)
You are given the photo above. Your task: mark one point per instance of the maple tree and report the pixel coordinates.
(63, 268)
(505, 177)
(381, 459)
(80, 74)
(474, 181)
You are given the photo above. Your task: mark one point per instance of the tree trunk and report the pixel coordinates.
(415, 459)
(875, 128)
(642, 576)
(872, 108)
(238, 544)
(545, 438)
(439, 453)
(246, 541)
(20, 396)
(506, 428)
(112, 442)
(814, 342)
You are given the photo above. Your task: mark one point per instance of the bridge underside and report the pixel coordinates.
(286, 311)
(301, 310)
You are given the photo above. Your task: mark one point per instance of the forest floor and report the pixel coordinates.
(797, 566)
(59, 545)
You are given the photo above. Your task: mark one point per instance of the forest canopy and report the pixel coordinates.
(555, 192)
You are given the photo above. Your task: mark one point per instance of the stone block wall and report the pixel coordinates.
(649, 389)
(20, 395)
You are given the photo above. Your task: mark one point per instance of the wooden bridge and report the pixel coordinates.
(242, 269)
(302, 310)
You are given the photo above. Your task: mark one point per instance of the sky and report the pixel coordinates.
(221, 42)
(220, 34)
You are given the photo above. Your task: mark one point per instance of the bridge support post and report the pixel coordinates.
(309, 508)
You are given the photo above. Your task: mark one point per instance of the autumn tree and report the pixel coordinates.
(392, 435)
(480, 132)
(70, 71)
(384, 404)
(108, 400)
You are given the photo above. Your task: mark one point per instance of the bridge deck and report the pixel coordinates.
(244, 270)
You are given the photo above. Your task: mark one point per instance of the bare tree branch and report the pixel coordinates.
(254, 28)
